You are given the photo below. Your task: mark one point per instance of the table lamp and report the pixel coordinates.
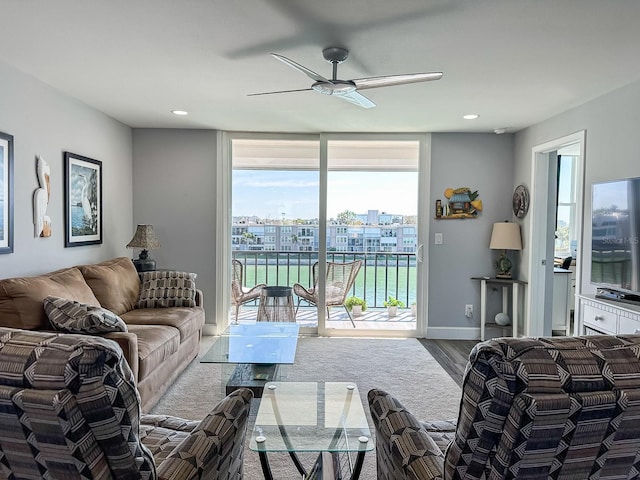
(505, 236)
(145, 239)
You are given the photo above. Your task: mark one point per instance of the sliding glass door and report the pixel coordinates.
(307, 211)
(274, 216)
(372, 219)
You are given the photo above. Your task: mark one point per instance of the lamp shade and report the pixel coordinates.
(144, 238)
(506, 236)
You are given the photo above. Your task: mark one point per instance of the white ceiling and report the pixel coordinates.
(513, 62)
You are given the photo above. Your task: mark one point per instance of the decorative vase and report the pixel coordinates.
(356, 310)
(414, 310)
(392, 311)
(502, 319)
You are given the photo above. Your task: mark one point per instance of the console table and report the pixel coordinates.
(506, 284)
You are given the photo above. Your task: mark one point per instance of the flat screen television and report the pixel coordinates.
(615, 233)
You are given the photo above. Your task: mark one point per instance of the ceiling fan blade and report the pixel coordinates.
(356, 98)
(280, 91)
(309, 73)
(389, 80)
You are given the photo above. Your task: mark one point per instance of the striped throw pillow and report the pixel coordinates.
(74, 317)
(161, 289)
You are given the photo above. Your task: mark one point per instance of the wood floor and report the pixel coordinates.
(452, 355)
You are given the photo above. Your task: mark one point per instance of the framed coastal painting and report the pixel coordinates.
(82, 200)
(6, 193)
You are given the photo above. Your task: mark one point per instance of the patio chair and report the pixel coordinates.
(340, 279)
(70, 409)
(557, 407)
(239, 293)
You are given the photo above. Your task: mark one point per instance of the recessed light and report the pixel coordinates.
(471, 116)
(179, 112)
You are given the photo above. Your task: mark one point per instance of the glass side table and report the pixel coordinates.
(327, 418)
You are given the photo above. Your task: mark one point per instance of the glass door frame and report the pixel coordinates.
(223, 225)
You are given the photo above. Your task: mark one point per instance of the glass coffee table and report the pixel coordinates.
(256, 350)
(327, 418)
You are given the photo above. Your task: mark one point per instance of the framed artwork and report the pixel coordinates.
(6, 193)
(82, 200)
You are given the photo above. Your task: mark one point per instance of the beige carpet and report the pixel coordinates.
(402, 367)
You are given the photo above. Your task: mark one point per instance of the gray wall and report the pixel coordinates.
(612, 150)
(174, 174)
(47, 123)
(481, 162)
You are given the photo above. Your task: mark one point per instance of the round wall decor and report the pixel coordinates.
(520, 201)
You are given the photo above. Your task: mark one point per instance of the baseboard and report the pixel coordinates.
(209, 329)
(449, 333)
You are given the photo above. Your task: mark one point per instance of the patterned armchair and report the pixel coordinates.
(561, 408)
(69, 408)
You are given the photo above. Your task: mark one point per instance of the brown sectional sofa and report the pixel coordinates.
(159, 343)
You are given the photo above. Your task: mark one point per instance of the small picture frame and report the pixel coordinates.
(82, 200)
(6, 193)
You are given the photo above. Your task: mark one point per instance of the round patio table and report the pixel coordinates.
(276, 305)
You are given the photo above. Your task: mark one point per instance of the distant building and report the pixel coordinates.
(378, 232)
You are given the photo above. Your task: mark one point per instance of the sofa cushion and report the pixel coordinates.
(163, 289)
(21, 298)
(115, 283)
(156, 343)
(187, 320)
(75, 317)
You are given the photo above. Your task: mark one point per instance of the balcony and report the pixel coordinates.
(382, 274)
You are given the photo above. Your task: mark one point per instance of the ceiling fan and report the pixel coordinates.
(349, 90)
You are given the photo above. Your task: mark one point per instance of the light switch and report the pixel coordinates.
(439, 239)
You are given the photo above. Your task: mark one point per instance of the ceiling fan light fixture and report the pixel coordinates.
(180, 112)
(471, 116)
(347, 90)
(335, 87)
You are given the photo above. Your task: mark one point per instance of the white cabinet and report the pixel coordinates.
(562, 301)
(605, 316)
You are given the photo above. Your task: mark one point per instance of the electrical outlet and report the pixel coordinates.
(468, 310)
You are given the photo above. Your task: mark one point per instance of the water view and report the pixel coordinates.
(374, 283)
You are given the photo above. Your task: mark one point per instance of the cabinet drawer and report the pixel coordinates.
(628, 325)
(600, 319)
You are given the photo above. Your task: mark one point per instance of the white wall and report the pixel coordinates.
(612, 151)
(45, 122)
(174, 176)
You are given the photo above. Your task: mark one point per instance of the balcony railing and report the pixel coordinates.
(382, 274)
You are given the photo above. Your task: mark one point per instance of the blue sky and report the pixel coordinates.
(270, 193)
(612, 194)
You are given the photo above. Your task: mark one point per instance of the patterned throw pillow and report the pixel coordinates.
(163, 289)
(75, 317)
